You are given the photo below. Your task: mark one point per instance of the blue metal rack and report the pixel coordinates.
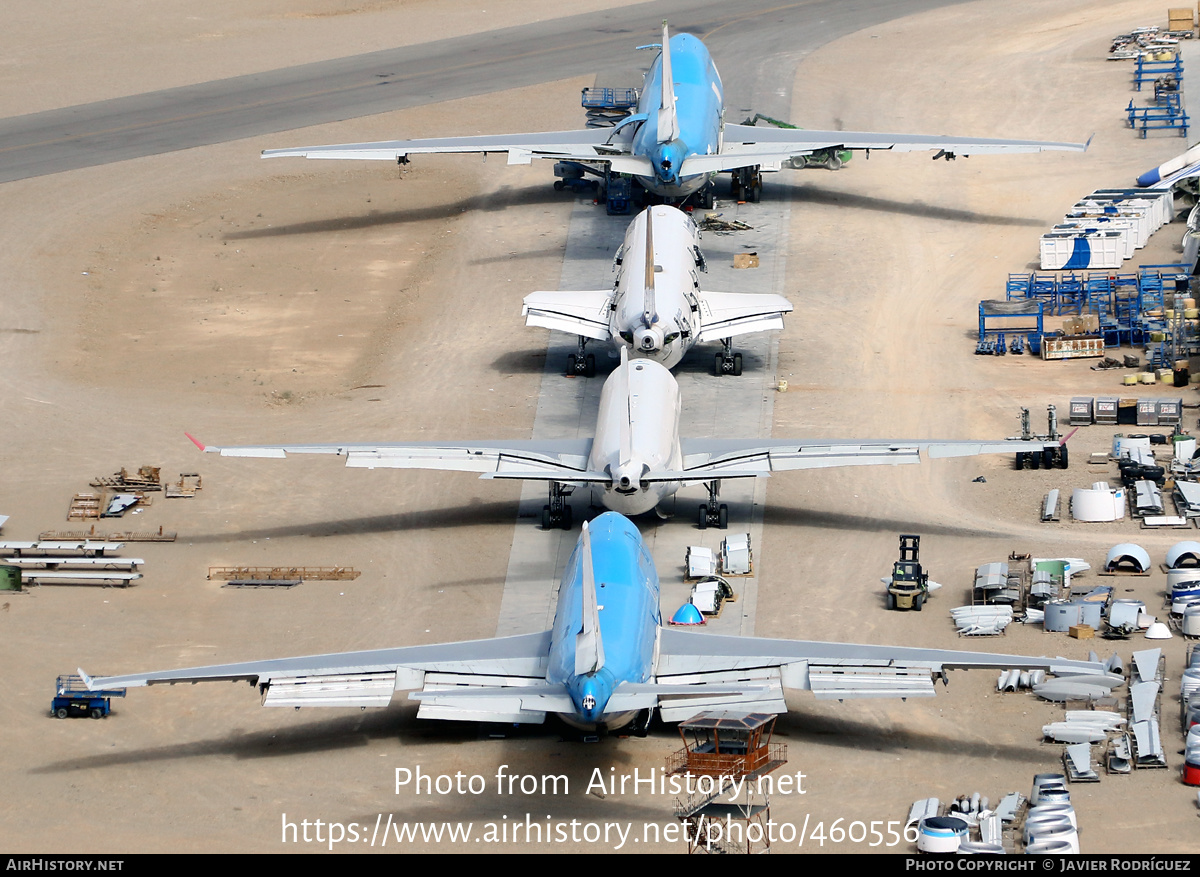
(1148, 71)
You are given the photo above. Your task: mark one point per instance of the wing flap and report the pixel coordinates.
(481, 698)
(757, 689)
(349, 690)
(842, 682)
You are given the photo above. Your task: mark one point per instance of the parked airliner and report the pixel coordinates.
(607, 660)
(656, 308)
(636, 459)
(678, 139)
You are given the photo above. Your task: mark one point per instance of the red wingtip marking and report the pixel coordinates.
(1068, 436)
(194, 440)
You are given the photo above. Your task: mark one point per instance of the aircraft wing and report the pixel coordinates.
(590, 144)
(563, 460)
(577, 313)
(746, 145)
(726, 314)
(709, 459)
(832, 671)
(497, 680)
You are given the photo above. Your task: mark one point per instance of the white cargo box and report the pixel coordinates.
(736, 554)
(1122, 226)
(700, 562)
(1160, 203)
(1065, 250)
(1138, 217)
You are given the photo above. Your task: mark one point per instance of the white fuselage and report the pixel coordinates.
(637, 434)
(656, 312)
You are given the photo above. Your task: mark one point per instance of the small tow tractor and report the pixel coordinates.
(909, 585)
(73, 698)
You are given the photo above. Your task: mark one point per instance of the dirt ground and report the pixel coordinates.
(260, 301)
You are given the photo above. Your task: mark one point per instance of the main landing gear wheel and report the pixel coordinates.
(713, 513)
(727, 362)
(564, 520)
(582, 365)
(557, 512)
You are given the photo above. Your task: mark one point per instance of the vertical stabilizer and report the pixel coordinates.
(668, 121)
(589, 650)
(626, 449)
(649, 309)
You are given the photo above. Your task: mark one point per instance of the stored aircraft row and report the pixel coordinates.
(678, 139)
(606, 662)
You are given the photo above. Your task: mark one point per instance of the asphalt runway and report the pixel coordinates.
(754, 37)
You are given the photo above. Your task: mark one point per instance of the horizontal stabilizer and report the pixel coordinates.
(583, 313)
(726, 314)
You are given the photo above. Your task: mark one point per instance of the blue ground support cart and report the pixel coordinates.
(72, 698)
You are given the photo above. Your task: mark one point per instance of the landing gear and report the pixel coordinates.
(640, 726)
(557, 512)
(747, 184)
(727, 362)
(706, 198)
(713, 512)
(1047, 458)
(582, 364)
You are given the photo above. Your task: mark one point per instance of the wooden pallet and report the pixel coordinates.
(269, 573)
(84, 507)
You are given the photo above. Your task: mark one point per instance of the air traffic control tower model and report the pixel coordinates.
(724, 752)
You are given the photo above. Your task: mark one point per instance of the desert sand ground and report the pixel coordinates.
(243, 300)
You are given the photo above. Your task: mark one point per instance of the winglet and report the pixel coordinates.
(195, 441)
(1067, 437)
(1089, 141)
(87, 680)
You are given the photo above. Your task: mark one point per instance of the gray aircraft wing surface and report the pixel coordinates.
(708, 459)
(745, 145)
(563, 460)
(501, 679)
(590, 144)
(832, 671)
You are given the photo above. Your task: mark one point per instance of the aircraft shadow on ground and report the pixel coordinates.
(816, 195)
(429, 519)
(814, 724)
(811, 724)
(523, 362)
(808, 517)
(501, 201)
